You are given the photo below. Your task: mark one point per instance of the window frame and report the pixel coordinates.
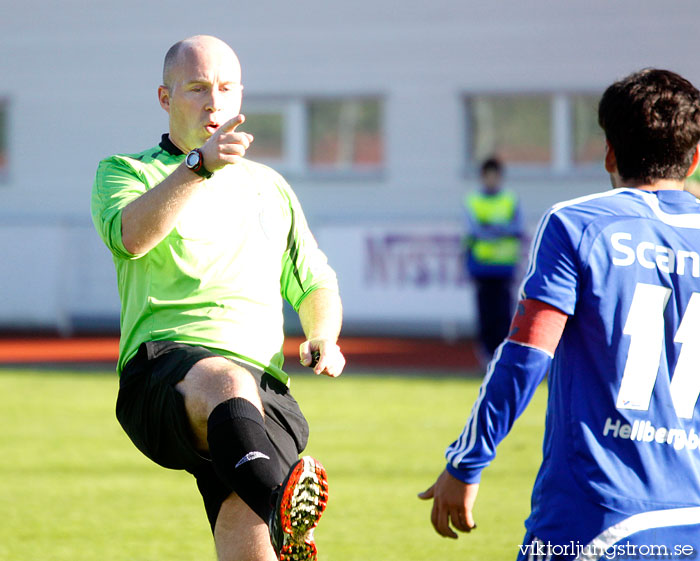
(5, 136)
(562, 161)
(295, 143)
(588, 167)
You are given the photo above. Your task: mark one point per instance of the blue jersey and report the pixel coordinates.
(621, 449)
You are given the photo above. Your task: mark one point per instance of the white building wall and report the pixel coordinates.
(81, 79)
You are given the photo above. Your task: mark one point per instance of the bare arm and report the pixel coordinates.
(148, 219)
(321, 314)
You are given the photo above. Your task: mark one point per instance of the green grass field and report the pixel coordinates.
(73, 488)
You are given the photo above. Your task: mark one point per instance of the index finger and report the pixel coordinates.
(231, 124)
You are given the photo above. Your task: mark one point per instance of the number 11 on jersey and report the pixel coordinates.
(645, 327)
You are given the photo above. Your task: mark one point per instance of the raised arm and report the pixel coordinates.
(147, 220)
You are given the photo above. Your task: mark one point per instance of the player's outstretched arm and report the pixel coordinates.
(321, 314)
(453, 502)
(520, 364)
(149, 218)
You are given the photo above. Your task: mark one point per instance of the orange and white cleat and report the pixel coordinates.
(301, 500)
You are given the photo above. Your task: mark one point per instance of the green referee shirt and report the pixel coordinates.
(217, 280)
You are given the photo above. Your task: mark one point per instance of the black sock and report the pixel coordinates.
(242, 453)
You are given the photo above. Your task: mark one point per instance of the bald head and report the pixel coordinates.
(201, 89)
(191, 50)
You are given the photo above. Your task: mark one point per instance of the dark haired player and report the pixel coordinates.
(206, 243)
(611, 308)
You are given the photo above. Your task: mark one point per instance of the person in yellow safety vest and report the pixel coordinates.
(492, 243)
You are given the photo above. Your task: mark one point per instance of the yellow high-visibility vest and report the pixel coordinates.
(494, 209)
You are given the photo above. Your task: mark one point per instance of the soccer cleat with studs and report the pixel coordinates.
(301, 500)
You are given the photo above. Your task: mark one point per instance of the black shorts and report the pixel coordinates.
(152, 413)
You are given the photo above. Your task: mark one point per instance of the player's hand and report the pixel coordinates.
(326, 355)
(226, 145)
(453, 501)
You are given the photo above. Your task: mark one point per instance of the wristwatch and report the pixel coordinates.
(195, 161)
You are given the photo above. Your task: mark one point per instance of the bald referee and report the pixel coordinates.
(205, 244)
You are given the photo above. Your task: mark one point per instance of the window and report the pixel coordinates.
(517, 128)
(309, 135)
(554, 132)
(268, 121)
(588, 137)
(4, 137)
(344, 134)
(267, 129)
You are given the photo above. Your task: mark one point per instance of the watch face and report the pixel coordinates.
(192, 160)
